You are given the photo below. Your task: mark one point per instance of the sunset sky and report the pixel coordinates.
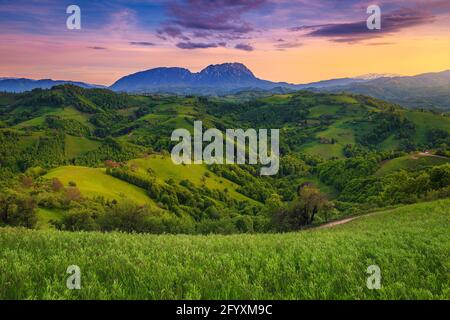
(296, 41)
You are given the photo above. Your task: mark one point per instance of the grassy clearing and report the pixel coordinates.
(410, 244)
(277, 99)
(76, 146)
(411, 162)
(391, 143)
(426, 121)
(320, 110)
(64, 113)
(95, 182)
(44, 217)
(344, 99)
(340, 131)
(29, 139)
(326, 151)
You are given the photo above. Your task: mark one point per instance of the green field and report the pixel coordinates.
(424, 121)
(411, 162)
(320, 110)
(410, 245)
(64, 113)
(340, 131)
(95, 182)
(325, 151)
(75, 146)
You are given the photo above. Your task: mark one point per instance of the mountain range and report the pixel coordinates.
(214, 79)
(429, 90)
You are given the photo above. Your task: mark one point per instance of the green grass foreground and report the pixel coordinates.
(410, 244)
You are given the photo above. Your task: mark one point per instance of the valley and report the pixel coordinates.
(73, 150)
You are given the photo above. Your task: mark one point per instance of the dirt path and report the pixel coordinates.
(336, 223)
(346, 220)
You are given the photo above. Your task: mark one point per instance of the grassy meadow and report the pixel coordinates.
(95, 182)
(411, 245)
(411, 162)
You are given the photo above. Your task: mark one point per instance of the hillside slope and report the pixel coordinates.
(409, 244)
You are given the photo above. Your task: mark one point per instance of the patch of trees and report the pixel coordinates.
(107, 122)
(69, 126)
(48, 151)
(185, 198)
(110, 149)
(17, 155)
(291, 139)
(250, 183)
(399, 187)
(438, 138)
(9, 150)
(17, 210)
(302, 211)
(385, 123)
(129, 217)
(339, 172)
(292, 165)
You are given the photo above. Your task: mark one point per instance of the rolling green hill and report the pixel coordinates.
(116, 146)
(95, 182)
(425, 121)
(318, 124)
(410, 246)
(411, 162)
(199, 175)
(65, 113)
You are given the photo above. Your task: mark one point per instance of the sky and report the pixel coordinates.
(296, 41)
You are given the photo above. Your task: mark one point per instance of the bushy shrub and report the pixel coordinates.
(302, 211)
(78, 219)
(124, 216)
(18, 210)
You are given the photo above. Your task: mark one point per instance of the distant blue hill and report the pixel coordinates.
(22, 84)
(427, 90)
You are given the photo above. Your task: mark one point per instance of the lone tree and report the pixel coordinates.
(310, 202)
(303, 210)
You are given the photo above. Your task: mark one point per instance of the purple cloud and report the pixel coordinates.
(358, 31)
(141, 43)
(97, 48)
(245, 47)
(288, 45)
(214, 15)
(193, 45)
(215, 20)
(173, 32)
